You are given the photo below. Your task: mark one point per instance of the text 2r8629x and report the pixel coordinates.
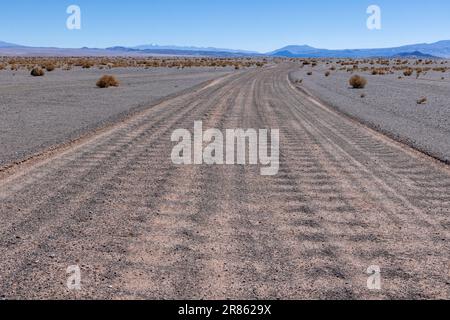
(246, 310)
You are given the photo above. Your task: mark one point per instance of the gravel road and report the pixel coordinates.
(38, 113)
(345, 198)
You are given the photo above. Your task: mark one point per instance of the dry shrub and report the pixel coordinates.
(309, 73)
(327, 74)
(422, 100)
(50, 67)
(107, 81)
(357, 82)
(408, 72)
(37, 72)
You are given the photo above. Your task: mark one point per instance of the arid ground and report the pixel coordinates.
(38, 113)
(346, 198)
(389, 101)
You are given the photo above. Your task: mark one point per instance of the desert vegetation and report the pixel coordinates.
(358, 82)
(408, 72)
(107, 81)
(49, 67)
(422, 100)
(37, 72)
(361, 72)
(69, 63)
(378, 67)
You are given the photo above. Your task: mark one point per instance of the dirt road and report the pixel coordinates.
(345, 198)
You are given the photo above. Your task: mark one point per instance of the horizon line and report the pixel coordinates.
(219, 47)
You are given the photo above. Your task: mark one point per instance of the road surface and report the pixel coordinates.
(346, 198)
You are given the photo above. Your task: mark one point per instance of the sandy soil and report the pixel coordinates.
(390, 104)
(36, 113)
(346, 198)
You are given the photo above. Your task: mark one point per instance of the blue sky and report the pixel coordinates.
(262, 25)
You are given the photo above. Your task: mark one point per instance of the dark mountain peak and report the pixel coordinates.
(415, 54)
(294, 49)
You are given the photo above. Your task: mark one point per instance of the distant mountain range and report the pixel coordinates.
(197, 49)
(183, 51)
(439, 49)
(8, 45)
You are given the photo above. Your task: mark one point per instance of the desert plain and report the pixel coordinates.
(87, 180)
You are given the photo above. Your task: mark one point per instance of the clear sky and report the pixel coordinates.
(261, 25)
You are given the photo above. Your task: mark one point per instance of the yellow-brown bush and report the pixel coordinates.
(107, 81)
(358, 82)
(37, 72)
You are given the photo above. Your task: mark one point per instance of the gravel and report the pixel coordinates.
(40, 112)
(389, 104)
(140, 227)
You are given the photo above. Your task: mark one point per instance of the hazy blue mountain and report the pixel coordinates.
(157, 50)
(415, 55)
(438, 49)
(190, 48)
(293, 50)
(8, 45)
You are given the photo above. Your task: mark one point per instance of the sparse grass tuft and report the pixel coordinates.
(408, 72)
(422, 100)
(107, 81)
(37, 72)
(358, 82)
(50, 67)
